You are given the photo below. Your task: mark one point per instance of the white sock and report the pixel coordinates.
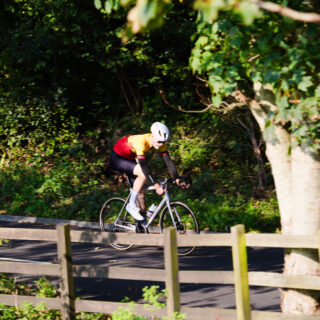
(133, 197)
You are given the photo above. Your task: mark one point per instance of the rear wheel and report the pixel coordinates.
(185, 221)
(115, 218)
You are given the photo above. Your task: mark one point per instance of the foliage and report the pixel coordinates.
(43, 288)
(54, 59)
(28, 312)
(75, 182)
(40, 288)
(39, 312)
(272, 51)
(69, 88)
(152, 297)
(232, 52)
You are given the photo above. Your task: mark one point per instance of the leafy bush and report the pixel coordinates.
(152, 297)
(60, 114)
(154, 300)
(75, 182)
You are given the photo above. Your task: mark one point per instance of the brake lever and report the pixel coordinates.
(188, 179)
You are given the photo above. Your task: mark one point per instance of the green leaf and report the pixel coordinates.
(215, 27)
(284, 115)
(256, 76)
(202, 41)
(209, 10)
(283, 103)
(233, 74)
(249, 12)
(284, 85)
(269, 133)
(216, 82)
(317, 92)
(297, 114)
(236, 42)
(271, 76)
(98, 4)
(305, 83)
(196, 64)
(216, 100)
(108, 6)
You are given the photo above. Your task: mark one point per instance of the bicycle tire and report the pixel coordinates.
(109, 214)
(188, 223)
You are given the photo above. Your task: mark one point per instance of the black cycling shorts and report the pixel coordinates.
(123, 165)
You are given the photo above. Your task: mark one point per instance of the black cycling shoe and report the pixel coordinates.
(141, 228)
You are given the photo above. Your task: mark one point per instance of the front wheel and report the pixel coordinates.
(185, 222)
(115, 218)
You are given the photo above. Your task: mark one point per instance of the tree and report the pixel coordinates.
(268, 63)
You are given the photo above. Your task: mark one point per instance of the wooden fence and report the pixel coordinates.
(171, 275)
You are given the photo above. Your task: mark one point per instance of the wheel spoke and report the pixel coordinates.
(114, 218)
(184, 220)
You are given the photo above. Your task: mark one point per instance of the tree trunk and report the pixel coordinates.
(297, 182)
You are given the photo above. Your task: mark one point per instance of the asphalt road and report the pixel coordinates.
(192, 295)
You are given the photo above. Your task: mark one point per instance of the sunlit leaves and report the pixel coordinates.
(249, 11)
(305, 83)
(210, 9)
(147, 14)
(236, 45)
(107, 6)
(98, 4)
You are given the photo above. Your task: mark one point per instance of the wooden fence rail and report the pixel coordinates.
(171, 275)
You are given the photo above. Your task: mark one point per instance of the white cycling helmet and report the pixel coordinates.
(160, 131)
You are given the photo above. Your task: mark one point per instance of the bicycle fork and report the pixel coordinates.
(167, 198)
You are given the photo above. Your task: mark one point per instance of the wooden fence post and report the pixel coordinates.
(66, 279)
(240, 269)
(172, 271)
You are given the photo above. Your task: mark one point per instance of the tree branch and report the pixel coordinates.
(239, 100)
(287, 12)
(179, 108)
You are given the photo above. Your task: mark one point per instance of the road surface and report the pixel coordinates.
(192, 295)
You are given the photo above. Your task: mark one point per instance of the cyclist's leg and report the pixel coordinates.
(128, 166)
(137, 186)
(141, 201)
(123, 165)
(140, 178)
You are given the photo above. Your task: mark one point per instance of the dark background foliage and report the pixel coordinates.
(70, 86)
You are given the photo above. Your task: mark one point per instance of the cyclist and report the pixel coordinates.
(129, 156)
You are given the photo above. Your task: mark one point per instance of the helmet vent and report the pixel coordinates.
(160, 131)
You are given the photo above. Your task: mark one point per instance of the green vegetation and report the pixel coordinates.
(153, 297)
(70, 86)
(39, 288)
(74, 183)
(154, 300)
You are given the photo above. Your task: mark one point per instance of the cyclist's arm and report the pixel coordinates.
(171, 167)
(146, 172)
(173, 171)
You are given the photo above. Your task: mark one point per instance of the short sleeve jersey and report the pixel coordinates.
(136, 146)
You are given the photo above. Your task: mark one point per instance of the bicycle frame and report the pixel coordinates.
(164, 202)
(131, 227)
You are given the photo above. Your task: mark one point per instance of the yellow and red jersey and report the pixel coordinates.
(136, 146)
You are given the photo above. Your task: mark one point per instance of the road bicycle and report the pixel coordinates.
(115, 218)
